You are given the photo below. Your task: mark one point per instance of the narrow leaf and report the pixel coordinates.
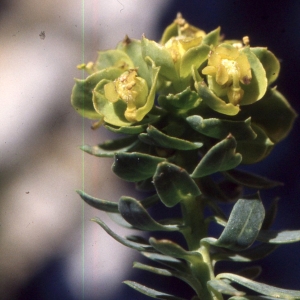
(220, 157)
(150, 292)
(135, 214)
(261, 288)
(103, 205)
(173, 184)
(158, 138)
(250, 180)
(135, 166)
(123, 241)
(279, 237)
(219, 129)
(224, 288)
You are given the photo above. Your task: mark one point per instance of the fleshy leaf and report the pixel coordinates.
(269, 61)
(173, 184)
(123, 241)
(219, 129)
(220, 157)
(103, 205)
(279, 237)
(250, 180)
(150, 292)
(160, 139)
(261, 288)
(255, 150)
(172, 249)
(135, 214)
(214, 102)
(243, 224)
(224, 288)
(81, 97)
(186, 277)
(135, 166)
(252, 298)
(180, 103)
(194, 56)
(257, 87)
(161, 57)
(110, 147)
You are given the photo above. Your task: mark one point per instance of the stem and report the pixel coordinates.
(196, 229)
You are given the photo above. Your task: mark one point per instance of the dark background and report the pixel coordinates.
(274, 24)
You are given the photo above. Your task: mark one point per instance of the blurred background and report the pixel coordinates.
(49, 248)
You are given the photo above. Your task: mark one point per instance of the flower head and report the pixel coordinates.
(228, 67)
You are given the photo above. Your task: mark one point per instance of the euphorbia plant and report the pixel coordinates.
(191, 108)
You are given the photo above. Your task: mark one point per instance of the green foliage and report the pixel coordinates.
(188, 108)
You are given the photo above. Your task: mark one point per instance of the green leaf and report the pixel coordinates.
(172, 249)
(194, 56)
(214, 102)
(243, 225)
(269, 61)
(279, 237)
(103, 205)
(270, 215)
(252, 298)
(110, 147)
(136, 215)
(257, 87)
(173, 184)
(161, 57)
(133, 49)
(213, 37)
(187, 278)
(223, 287)
(113, 58)
(150, 292)
(123, 241)
(135, 166)
(261, 288)
(82, 95)
(248, 255)
(220, 157)
(180, 103)
(272, 113)
(219, 129)
(158, 138)
(250, 180)
(255, 150)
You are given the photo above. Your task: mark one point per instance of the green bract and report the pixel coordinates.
(190, 110)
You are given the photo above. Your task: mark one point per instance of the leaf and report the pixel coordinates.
(187, 278)
(103, 205)
(223, 287)
(110, 147)
(213, 37)
(279, 237)
(135, 166)
(270, 215)
(269, 61)
(243, 225)
(151, 292)
(250, 272)
(158, 138)
(219, 129)
(135, 214)
(123, 241)
(251, 254)
(82, 95)
(220, 157)
(180, 103)
(261, 288)
(214, 102)
(172, 249)
(173, 184)
(250, 180)
(252, 298)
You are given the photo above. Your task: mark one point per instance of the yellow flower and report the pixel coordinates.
(130, 89)
(227, 68)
